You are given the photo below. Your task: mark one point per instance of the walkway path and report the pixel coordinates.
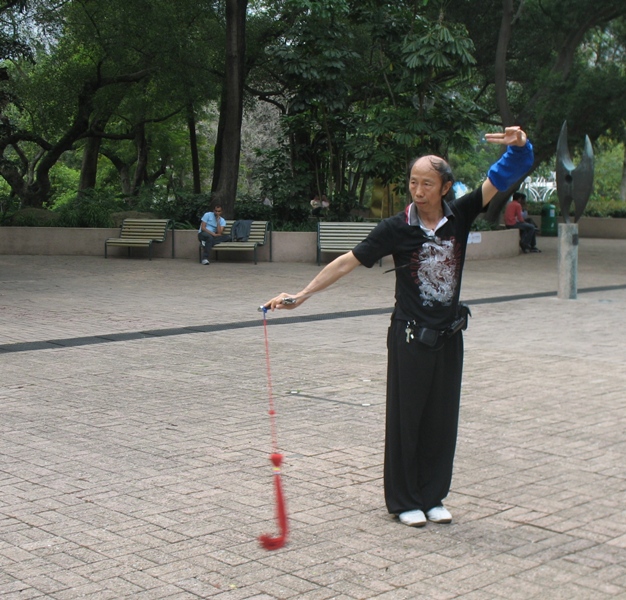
(134, 437)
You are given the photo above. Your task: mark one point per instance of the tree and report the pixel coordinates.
(365, 86)
(227, 149)
(537, 72)
(109, 72)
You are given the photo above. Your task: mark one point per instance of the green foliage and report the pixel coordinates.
(484, 225)
(362, 87)
(341, 204)
(251, 208)
(371, 88)
(9, 204)
(608, 164)
(89, 208)
(33, 217)
(125, 68)
(65, 182)
(596, 207)
(286, 185)
(308, 225)
(438, 45)
(534, 208)
(557, 67)
(182, 207)
(471, 166)
(288, 213)
(599, 207)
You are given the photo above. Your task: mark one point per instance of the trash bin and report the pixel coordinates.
(548, 220)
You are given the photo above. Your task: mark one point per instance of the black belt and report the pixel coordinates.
(430, 337)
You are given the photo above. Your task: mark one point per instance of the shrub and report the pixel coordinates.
(33, 217)
(596, 207)
(340, 206)
(89, 208)
(484, 225)
(248, 208)
(9, 205)
(183, 207)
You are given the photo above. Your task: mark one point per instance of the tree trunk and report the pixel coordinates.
(331, 157)
(622, 187)
(228, 146)
(141, 170)
(504, 37)
(123, 170)
(89, 166)
(193, 146)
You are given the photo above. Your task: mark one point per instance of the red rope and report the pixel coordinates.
(268, 542)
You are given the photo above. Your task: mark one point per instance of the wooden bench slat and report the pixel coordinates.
(129, 242)
(340, 237)
(141, 233)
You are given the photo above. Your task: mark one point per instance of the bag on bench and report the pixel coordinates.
(240, 231)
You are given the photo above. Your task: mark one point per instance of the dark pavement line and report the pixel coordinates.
(153, 333)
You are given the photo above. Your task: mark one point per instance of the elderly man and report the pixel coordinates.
(428, 242)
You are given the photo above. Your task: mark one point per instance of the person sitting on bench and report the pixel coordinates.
(514, 219)
(210, 232)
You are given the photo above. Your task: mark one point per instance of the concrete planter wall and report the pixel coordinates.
(76, 241)
(597, 227)
(286, 246)
(492, 244)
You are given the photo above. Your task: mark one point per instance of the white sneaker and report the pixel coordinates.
(205, 261)
(439, 514)
(413, 518)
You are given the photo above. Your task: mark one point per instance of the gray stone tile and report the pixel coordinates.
(137, 466)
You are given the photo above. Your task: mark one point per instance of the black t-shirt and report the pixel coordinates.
(428, 269)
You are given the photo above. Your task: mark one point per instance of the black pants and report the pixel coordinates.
(526, 234)
(208, 241)
(423, 400)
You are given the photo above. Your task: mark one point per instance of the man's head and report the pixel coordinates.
(430, 181)
(519, 197)
(217, 209)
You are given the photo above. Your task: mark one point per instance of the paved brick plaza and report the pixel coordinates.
(135, 465)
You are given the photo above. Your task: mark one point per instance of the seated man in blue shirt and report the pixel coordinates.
(210, 232)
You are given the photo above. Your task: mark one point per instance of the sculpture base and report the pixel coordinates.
(568, 261)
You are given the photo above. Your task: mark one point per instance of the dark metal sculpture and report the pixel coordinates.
(573, 184)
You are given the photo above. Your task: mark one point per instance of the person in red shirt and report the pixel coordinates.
(514, 219)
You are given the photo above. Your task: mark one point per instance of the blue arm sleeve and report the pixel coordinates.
(512, 166)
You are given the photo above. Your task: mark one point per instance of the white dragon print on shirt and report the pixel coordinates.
(435, 270)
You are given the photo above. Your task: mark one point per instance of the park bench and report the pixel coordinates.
(141, 233)
(260, 234)
(341, 237)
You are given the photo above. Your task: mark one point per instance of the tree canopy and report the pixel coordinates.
(125, 92)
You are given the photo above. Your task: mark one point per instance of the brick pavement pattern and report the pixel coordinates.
(138, 468)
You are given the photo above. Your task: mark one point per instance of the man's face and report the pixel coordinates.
(425, 185)
(218, 211)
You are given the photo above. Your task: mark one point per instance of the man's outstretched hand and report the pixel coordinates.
(512, 136)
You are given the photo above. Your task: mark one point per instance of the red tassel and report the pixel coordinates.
(274, 543)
